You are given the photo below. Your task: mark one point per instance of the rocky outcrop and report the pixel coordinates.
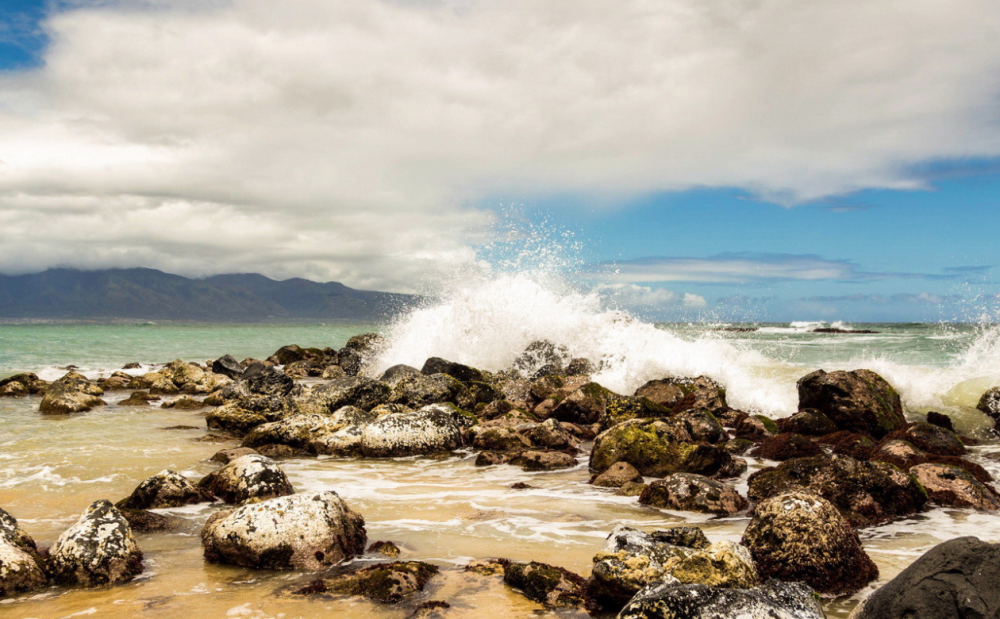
(98, 550)
(20, 565)
(303, 531)
(772, 600)
(245, 478)
(432, 429)
(799, 536)
(857, 401)
(165, 489)
(551, 586)
(955, 487)
(693, 493)
(386, 583)
(21, 385)
(338, 433)
(866, 493)
(953, 580)
(71, 394)
(656, 449)
(592, 403)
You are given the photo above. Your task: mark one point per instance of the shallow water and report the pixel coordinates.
(446, 511)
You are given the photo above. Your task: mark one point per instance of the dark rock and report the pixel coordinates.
(552, 435)
(990, 404)
(756, 427)
(366, 343)
(241, 416)
(955, 487)
(464, 373)
(693, 493)
(772, 600)
(809, 423)
(686, 537)
(702, 425)
(226, 456)
(579, 367)
(227, 365)
(785, 447)
(494, 458)
(245, 478)
(387, 583)
(365, 393)
(165, 489)
(737, 446)
(98, 550)
(388, 549)
(398, 372)
(679, 394)
(940, 420)
(852, 444)
(551, 586)
(953, 580)
(538, 354)
(521, 486)
(143, 521)
(931, 439)
(417, 391)
(858, 401)
(183, 403)
(269, 381)
(734, 468)
(798, 536)
(498, 439)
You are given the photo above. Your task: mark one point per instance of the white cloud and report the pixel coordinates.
(694, 300)
(631, 296)
(345, 139)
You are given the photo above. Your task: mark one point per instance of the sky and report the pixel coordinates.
(729, 160)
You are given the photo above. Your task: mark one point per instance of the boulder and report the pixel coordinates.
(552, 434)
(798, 536)
(22, 384)
(592, 403)
(701, 425)
(312, 432)
(165, 489)
(247, 477)
(755, 427)
(955, 487)
(852, 444)
(551, 586)
(145, 521)
(538, 355)
(617, 476)
(421, 390)
(464, 373)
(398, 372)
(359, 391)
(940, 420)
(269, 381)
(786, 446)
(656, 449)
(772, 600)
(543, 460)
(990, 404)
(20, 566)
(227, 365)
(64, 397)
(242, 415)
(432, 429)
(492, 438)
(303, 531)
(679, 394)
(693, 493)
(858, 401)
(931, 439)
(866, 493)
(386, 583)
(98, 550)
(953, 580)
(808, 422)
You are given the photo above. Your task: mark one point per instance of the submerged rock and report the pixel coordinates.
(245, 478)
(693, 493)
(432, 429)
(98, 550)
(387, 583)
(552, 586)
(772, 600)
(953, 580)
(165, 489)
(857, 401)
(20, 567)
(302, 531)
(799, 536)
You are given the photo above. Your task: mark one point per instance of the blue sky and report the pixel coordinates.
(374, 141)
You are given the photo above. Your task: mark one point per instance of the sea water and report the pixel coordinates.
(443, 510)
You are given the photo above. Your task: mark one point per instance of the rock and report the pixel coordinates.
(693, 493)
(772, 600)
(139, 398)
(432, 609)
(292, 353)
(22, 385)
(940, 420)
(186, 403)
(953, 580)
(366, 343)
(543, 460)
(686, 537)
(539, 354)
(551, 586)
(464, 373)
(65, 397)
(990, 404)
(756, 427)
(314, 433)
(798, 536)
(387, 583)
(786, 446)
(277, 452)
(617, 476)
(20, 567)
(702, 425)
(245, 478)
(432, 429)
(593, 403)
(269, 382)
(738, 446)
(809, 423)
(227, 365)
(579, 367)
(144, 521)
(844, 443)
(303, 531)
(241, 416)
(656, 449)
(421, 390)
(858, 401)
(734, 468)
(679, 394)
(955, 487)
(866, 493)
(398, 372)
(388, 549)
(552, 435)
(98, 550)
(498, 439)
(165, 489)
(931, 439)
(359, 391)
(226, 456)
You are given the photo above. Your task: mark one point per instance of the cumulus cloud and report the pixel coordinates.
(346, 140)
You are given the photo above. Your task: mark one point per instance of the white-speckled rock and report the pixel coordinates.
(98, 550)
(165, 489)
(19, 566)
(772, 600)
(432, 429)
(303, 531)
(248, 477)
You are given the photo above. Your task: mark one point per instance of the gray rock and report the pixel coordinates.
(359, 391)
(227, 365)
(98, 550)
(20, 568)
(772, 600)
(245, 478)
(165, 489)
(432, 429)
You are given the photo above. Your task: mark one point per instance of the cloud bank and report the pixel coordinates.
(350, 140)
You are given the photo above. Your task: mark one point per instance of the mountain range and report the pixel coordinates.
(148, 294)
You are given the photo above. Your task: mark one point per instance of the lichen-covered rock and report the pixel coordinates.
(421, 390)
(313, 432)
(772, 600)
(242, 415)
(551, 586)
(953, 580)
(808, 422)
(20, 568)
(543, 460)
(799, 536)
(498, 439)
(22, 384)
(165, 489)
(617, 476)
(693, 493)
(387, 583)
(71, 394)
(247, 477)
(701, 425)
(98, 550)
(679, 394)
(656, 449)
(432, 429)
(857, 401)
(786, 446)
(866, 493)
(955, 487)
(359, 391)
(303, 531)
(552, 434)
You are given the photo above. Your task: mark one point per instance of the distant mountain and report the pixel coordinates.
(148, 294)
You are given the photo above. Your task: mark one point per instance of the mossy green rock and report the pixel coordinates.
(388, 583)
(552, 586)
(656, 449)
